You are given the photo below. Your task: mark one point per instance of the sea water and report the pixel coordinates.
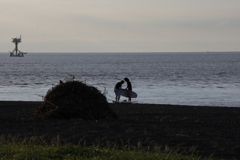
(204, 79)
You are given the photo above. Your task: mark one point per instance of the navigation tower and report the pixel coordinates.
(16, 52)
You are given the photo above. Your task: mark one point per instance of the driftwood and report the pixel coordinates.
(74, 99)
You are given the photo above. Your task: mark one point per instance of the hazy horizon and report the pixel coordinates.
(121, 26)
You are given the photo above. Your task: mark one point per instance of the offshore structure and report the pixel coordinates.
(16, 52)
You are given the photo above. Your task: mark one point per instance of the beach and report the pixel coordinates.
(206, 130)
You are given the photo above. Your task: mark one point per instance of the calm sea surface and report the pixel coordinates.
(205, 79)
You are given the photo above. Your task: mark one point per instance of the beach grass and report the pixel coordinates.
(143, 131)
(36, 148)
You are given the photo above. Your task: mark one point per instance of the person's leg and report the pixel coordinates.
(117, 92)
(129, 95)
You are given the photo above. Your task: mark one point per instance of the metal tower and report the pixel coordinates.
(16, 52)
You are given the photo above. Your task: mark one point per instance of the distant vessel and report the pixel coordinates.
(16, 52)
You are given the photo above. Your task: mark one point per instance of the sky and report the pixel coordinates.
(120, 25)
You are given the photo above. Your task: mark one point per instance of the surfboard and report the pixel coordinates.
(125, 102)
(124, 93)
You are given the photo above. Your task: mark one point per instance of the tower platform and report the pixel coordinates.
(16, 52)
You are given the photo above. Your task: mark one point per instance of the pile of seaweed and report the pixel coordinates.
(74, 99)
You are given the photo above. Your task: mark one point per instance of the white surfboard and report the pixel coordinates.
(125, 102)
(124, 93)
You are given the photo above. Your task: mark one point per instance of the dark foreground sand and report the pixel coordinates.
(210, 130)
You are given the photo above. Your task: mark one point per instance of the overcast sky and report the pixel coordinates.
(120, 25)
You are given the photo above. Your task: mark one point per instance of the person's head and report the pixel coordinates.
(122, 81)
(126, 79)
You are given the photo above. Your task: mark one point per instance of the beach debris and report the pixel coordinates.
(74, 99)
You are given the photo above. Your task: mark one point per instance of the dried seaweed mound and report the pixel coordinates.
(74, 99)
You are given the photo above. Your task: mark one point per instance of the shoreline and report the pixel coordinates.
(210, 130)
(135, 103)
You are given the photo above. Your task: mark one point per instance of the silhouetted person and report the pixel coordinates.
(129, 88)
(117, 88)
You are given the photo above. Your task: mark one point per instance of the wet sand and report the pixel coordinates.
(208, 130)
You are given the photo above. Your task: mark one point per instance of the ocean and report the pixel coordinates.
(199, 79)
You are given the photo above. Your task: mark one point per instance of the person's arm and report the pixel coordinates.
(127, 87)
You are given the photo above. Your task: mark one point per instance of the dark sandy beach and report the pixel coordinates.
(210, 130)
